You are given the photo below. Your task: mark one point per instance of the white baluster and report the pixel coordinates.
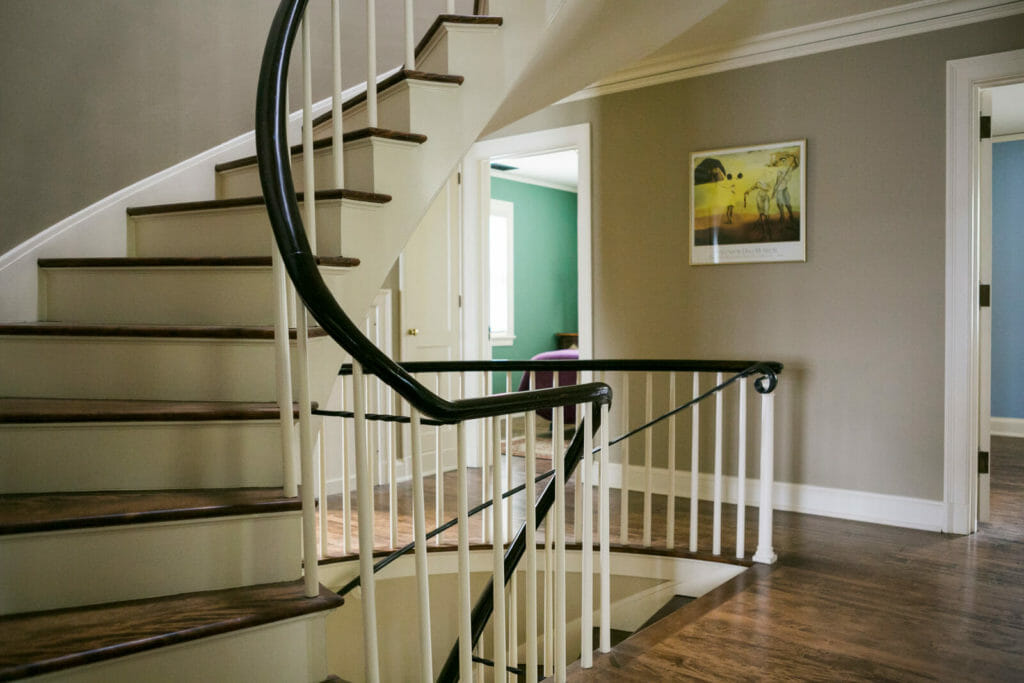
(420, 531)
(324, 536)
(765, 553)
(283, 368)
(364, 489)
(410, 39)
(531, 548)
(337, 137)
(586, 504)
(450, 7)
(605, 538)
(670, 521)
(549, 598)
(347, 450)
(465, 604)
(624, 458)
(309, 180)
(498, 561)
(308, 488)
(558, 462)
(716, 543)
(695, 464)
(508, 463)
(741, 472)
(648, 455)
(371, 62)
(438, 470)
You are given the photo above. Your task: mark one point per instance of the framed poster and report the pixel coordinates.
(747, 204)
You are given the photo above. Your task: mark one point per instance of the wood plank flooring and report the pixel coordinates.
(853, 601)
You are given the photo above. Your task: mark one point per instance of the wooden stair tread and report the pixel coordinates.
(465, 19)
(40, 642)
(398, 77)
(39, 512)
(184, 261)
(321, 143)
(258, 200)
(72, 329)
(49, 410)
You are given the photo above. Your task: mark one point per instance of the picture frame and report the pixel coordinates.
(748, 204)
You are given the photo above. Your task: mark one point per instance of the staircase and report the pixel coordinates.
(145, 533)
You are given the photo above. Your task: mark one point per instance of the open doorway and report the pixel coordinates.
(525, 171)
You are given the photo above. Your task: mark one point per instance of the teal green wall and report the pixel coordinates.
(545, 268)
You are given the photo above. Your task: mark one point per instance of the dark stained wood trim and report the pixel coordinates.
(22, 513)
(52, 410)
(394, 79)
(60, 329)
(321, 143)
(239, 202)
(184, 261)
(43, 642)
(465, 19)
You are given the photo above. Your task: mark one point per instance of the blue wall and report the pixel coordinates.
(1008, 279)
(545, 268)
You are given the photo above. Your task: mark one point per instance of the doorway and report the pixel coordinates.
(967, 80)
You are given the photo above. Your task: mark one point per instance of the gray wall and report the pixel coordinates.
(97, 94)
(860, 325)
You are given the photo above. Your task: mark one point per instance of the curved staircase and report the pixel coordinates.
(144, 530)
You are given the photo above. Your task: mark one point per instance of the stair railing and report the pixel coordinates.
(295, 255)
(654, 385)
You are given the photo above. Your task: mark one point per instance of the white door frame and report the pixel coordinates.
(476, 196)
(965, 79)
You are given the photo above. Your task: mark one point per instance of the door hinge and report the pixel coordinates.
(986, 127)
(460, 301)
(458, 178)
(985, 296)
(982, 462)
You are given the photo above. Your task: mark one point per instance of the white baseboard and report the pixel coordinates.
(861, 506)
(1007, 426)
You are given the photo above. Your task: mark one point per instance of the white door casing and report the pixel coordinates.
(965, 81)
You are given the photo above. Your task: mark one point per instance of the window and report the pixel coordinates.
(502, 274)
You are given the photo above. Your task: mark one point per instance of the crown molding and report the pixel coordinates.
(859, 29)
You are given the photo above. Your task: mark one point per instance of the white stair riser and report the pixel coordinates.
(165, 295)
(291, 651)
(242, 231)
(469, 51)
(90, 566)
(364, 169)
(400, 107)
(156, 369)
(35, 458)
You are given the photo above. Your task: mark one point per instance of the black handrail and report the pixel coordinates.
(746, 367)
(289, 232)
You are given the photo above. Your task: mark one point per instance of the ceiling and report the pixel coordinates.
(555, 169)
(1008, 109)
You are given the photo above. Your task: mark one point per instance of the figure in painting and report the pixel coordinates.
(786, 162)
(763, 200)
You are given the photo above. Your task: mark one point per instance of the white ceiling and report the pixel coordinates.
(556, 169)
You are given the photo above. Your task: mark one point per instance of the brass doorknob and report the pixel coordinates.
(414, 331)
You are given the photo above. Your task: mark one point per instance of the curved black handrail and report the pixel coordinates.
(289, 232)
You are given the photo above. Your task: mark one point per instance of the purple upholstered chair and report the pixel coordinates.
(544, 380)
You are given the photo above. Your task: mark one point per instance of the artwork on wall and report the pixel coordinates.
(747, 204)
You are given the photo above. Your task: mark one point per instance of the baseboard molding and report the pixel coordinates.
(1007, 426)
(860, 506)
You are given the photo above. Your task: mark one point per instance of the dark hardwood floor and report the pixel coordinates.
(853, 601)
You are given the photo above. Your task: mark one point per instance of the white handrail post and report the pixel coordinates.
(605, 538)
(337, 147)
(583, 476)
(410, 39)
(371, 63)
(648, 456)
(624, 458)
(741, 473)
(716, 534)
(765, 553)
(364, 489)
(558, 462)
(670, 520)
(346, 475)
(465, 605)
(420, 531)
(324, 536)
(438, 470)
(283, 367)
(531, 548)
(498, 560)
(694, 464)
